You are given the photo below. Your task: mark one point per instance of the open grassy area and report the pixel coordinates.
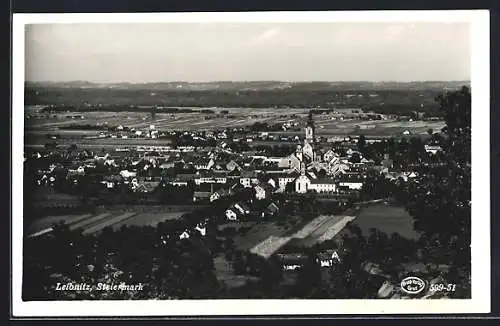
(237, 117)
(114, 217)
(258, 233)
(386, 218)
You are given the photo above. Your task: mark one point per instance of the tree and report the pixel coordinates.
(51, 146)
(439, 199)
(457, 109)
(355, 158)
(361, 143)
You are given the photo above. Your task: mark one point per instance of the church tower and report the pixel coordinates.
(310, 136)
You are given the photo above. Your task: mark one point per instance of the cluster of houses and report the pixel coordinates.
(213, 173)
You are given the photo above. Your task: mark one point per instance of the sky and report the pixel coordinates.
(201, 52)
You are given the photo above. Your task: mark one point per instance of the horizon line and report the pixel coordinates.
(251, 81)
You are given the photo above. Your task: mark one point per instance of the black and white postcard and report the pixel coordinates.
(251, 163)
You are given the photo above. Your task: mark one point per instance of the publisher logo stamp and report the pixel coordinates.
(412, 285)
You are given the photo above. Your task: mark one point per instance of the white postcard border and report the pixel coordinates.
(480, 84)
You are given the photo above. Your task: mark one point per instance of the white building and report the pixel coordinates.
(127, 174)
(323, 185)
(284, 180)
(329, 155)
(291, 161)
(231, 215)
(352, 185)
(432, 149)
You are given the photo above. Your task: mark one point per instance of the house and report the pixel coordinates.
(372, 269)
(329, 156)
(367, 162)
(351, 184)
(395, 176)
(292, 261)
(386, 290)
(166, 165)
(219, 194)
(101, 158)
(272, 182)
(184, 235)
(201, 196)
(328, 258)
(127, 174)
(147, 186)
(231, 214)
(234, 174)
(273, 161)
(242, 208)
(322, 185)
(204, 163)
(285, 179)
(109, 162)
(236, 187)
(412, 175)
(201, 228)
(184, 177)
(112, 180)
(272, 209)
(79, 171)
(432, 149)
(210, 177)
(248, 178)
(290, 162)
(335, 167)
(178, 182)
(264, 190)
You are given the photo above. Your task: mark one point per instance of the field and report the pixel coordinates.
(326, 125)
(258, 233)
(115, 217)
(320, 229)
(386, 218)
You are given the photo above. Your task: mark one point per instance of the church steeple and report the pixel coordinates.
(310, 129)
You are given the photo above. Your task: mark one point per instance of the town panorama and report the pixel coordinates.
(246, 190)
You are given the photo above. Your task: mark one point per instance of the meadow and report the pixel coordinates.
(114, 217)
(326, 125)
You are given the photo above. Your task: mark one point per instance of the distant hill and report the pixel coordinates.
(380, 97)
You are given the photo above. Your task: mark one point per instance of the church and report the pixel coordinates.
(311, 159)
(306, 153)
(307, 162)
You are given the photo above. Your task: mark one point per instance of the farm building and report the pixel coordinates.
(292, 261)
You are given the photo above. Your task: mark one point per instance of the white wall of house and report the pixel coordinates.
(290, 162)
(231, 215)
(260, 193)
(352, 185)
(246, 182)
(323, 187)
(283, 181)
